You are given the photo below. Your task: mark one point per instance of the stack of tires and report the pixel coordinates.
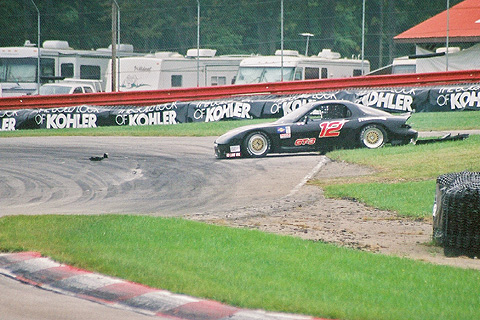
(456, 213)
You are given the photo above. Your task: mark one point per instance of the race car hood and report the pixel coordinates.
(239, 133)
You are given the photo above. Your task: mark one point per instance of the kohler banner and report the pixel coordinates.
(438, 99)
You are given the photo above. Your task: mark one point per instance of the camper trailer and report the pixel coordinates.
(403, 65)
(426, 61)
(18, 65)
(327, 64)
(165, 70)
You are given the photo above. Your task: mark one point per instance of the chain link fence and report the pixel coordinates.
(230, 27)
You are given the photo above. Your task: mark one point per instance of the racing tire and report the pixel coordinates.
(373, 136)
(257, 144)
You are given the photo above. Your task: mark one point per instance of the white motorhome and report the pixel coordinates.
(18, 65)
(327, 64)
(404, 65)
(425, 61)
(165, 70)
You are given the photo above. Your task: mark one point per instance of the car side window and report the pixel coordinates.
(318, 113)
(78, 90)
(330, 111)
(87, 89)
(338, 111)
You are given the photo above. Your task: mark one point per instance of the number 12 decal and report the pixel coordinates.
(331, 129)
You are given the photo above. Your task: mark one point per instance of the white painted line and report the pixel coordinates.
(309, 176)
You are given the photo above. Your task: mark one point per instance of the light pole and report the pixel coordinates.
(281, 39)
(363, 35)
(198, 43)
(38, 46)
(114, 47)
(447, 35)
(118, 44)
(115, 44)
(307, 35)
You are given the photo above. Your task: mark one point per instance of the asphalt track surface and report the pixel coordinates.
(158, 176)
(163, 176)
(23, 302)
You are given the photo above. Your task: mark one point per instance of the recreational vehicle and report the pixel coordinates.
(403, 65)
(327, 64)
(18, 65)
(426, 61)
(165, 70)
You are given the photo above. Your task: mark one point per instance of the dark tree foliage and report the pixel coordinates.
(231, 27)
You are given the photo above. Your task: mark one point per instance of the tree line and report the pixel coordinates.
(231, 27)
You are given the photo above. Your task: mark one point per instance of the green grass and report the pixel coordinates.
(412, 199)
(248, 268)
(416, 162)
(194, 129)
(419, 121)
(406, 175)
(251, 269)
(405, 181)
(431, 121)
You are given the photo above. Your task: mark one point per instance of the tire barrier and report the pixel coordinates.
(456, 213)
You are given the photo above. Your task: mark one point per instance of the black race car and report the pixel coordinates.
(318, 126)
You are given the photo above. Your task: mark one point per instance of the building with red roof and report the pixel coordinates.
(463, 26)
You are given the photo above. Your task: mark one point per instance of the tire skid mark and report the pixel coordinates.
(159, 176)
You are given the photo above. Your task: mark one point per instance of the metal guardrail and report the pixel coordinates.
(139, 98)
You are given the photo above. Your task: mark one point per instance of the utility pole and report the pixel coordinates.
(363, 36)
(114, 46)
(447, 35)
(198, 43)
(281, 39)
(118, 44)
(38, 46)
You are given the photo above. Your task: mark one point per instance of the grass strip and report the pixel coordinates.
(194, 129)
(428, 121)
(439, 121)
(249, 268)
(405, 176)
(412, 199)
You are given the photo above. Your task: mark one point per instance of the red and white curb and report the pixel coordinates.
(42, 272)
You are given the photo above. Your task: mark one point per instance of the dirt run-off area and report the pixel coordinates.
(307, 214)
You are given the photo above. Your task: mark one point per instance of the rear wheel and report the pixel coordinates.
(373, 136)
(257, 144)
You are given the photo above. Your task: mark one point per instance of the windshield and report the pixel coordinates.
(44, 90)
(263, 74)
(18, 69)
(295, 115)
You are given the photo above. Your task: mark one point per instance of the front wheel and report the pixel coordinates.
(257, 144)
(373, 136)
